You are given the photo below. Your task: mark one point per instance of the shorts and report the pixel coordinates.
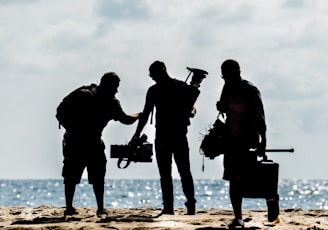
(77, 157)
(238, 163)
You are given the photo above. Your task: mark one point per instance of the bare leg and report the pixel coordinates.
(69, 195)
(98, 189)
(236, 198)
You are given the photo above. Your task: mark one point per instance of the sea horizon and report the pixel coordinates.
(134, 193)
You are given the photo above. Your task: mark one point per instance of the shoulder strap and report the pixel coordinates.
(151, 116)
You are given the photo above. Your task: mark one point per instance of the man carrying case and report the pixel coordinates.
(261, 181)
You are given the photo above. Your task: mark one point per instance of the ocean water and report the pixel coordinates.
(305, 194)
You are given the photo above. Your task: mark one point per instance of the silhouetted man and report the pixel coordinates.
(241, 102)
(84, 114)
(173, 100)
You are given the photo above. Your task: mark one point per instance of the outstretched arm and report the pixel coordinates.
(148, 108)
(129, 119)
(121, 116)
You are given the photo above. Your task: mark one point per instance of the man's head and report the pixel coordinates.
(109, 83)
(157, 71)
(230, 71)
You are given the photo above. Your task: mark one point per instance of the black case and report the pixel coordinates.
(261, 180)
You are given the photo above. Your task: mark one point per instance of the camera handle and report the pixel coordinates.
(198, 76)
(119, 162)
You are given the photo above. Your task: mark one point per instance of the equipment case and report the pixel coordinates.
(261, 180)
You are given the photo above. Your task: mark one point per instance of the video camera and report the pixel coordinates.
(138, 150)
(197, 77)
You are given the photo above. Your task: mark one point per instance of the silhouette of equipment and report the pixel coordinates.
(137, 150)
(261, 178)
(197, 76)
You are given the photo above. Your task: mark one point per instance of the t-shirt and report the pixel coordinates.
(245, 114)
(173, 101)
(90, 113)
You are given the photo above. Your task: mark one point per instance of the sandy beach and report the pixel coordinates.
(49, 217)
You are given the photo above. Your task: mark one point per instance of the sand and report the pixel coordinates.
(49, 217)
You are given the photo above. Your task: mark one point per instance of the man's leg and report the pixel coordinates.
(236, 197)
(69, 195)
(167, 194)
(72, 172)
(188, 188)
(96, 174)
(181, 157)
(164, 162)
(236, 202)
(98, 189)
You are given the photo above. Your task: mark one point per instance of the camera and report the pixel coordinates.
(197, 76)
(137, 150)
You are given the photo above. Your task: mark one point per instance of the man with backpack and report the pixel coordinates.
(173, 100)
(84, 113)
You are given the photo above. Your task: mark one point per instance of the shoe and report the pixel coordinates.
(273, 208)
(276, 221)
(191, 208)
(236, 223)
(102, 212)
(70, 211)
(167, 212)
(191, 211)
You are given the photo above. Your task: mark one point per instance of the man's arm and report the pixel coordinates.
(122, 117)
(221, 105)
(129, 119)
(262, 145)
(148, 108)
(260, 121)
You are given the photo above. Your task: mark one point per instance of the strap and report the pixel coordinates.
(120, 161)
(222, 115)
(203, 166)
(151, 116)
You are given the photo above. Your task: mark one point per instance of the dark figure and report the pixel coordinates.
(241, 103)
(173, 100)
(86, 113)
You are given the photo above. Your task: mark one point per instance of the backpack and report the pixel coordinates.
(69, 110)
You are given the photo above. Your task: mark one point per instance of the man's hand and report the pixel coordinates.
(220, 107)
(260, 150)
(193, 111)
(134, 138)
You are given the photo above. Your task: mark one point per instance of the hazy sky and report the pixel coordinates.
(48, 48)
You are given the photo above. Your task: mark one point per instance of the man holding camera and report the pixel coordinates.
(174, 100)
(84, 114)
